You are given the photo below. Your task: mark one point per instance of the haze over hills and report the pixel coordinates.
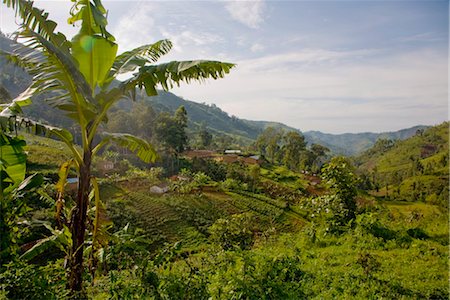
(247, 130)
(244, 132)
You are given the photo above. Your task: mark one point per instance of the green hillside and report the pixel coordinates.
(161, 198)
(263, 235)
(410, 170)
(355, 143)
(242, 132)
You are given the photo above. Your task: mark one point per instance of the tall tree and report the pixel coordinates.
(171, 130)
(294, 144)
(269, 142)
(205, 137)
(339, 176)
(79, 73)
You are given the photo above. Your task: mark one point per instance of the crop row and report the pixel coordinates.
(256, 205)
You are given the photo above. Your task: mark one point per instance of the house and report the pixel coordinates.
(233, 152)
(251, 160)
(159, 189)
(105, 165)
(229, 159)
(72, 184)
(200, 154)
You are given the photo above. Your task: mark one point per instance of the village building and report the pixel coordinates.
(200, 154)
(229, 156)
(159, 189)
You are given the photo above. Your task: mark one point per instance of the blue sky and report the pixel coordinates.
(334, 66)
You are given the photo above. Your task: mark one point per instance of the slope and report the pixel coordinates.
(413, 169)
(13, 80)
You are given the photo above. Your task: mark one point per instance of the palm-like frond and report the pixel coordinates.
(175, 72)
(60, 238)
(142, 148)
(100, 225)
(139, 57)
(55, 71)
(37, 20)
(15, 106)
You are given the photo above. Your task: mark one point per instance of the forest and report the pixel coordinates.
(105, 195)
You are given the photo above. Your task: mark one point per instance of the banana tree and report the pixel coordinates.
(80, 74)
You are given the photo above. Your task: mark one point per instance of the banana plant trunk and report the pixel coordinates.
(78, 225)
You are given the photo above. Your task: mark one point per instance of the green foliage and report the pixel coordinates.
(171, 132)
(205, 138)
(232, 185)
(216, 171)
(256, 275)
(415, 169)
(269, 143)
(339, 176)
(237, 232)
(294, 144)
(26, 281)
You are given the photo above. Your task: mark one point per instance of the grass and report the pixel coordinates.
(45, 155)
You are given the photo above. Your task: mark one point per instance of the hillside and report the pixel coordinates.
(263, 234)
(412, 169)
(355, 143)
(243, 132)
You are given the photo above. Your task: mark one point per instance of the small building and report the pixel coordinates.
(72, 184)
(233, 152)
(251, 160)
(230, 158)
(159, 189)
(200, 154)
(104, 166)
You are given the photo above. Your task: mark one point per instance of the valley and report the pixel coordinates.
(112, 187)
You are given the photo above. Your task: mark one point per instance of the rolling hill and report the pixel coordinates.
(13, 81)
(412, 169)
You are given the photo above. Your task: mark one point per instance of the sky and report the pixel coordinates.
(334, 66)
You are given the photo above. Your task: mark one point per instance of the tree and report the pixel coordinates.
(269, 142)
(255, 174)
(14, 187)
(79, 73)
(318, 152)
(339, 176)
(171, 130)
(205, 137)
(294, 144)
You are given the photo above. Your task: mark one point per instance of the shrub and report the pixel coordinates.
(26, 281)
(235, 232)
(231, 184)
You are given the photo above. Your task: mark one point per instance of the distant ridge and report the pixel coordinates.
(359, 142)
(244, 132)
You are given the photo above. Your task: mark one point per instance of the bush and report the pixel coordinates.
(231, 184)
(234, 233)
(26, 281)
(245, 275)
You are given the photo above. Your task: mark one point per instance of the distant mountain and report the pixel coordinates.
(355, 143)
(244, 132)
(412, 169)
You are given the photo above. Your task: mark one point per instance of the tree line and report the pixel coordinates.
(290, 149)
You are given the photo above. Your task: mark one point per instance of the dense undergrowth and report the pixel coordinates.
(224, 244)
(265, 234)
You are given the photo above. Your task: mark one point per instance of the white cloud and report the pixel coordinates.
(257, 47)
(58, 12)
(247, 12)
(135, 27)
(426, 37)
(188, 38)
(348, 91)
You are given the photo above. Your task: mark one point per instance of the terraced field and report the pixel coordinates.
(172, 217)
